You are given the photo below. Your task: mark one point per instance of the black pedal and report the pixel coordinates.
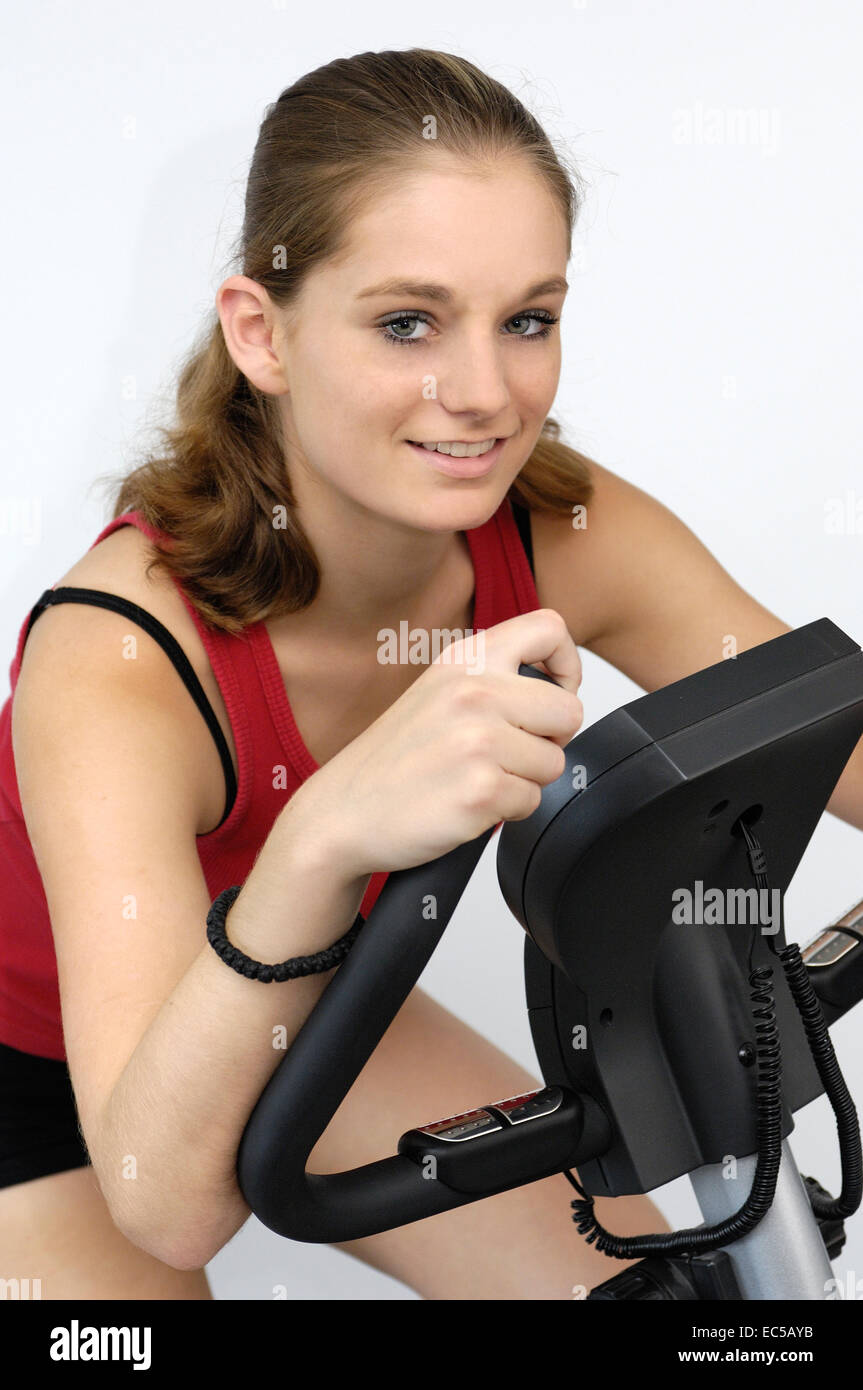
(832, 1228)
(683, 1278)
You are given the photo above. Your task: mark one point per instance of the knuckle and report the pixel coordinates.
(478, 741)
(557, 619)
(471, 694)
(576, 710)
(532, 798)
(482, 786)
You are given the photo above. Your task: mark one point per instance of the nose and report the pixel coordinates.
(471, 379)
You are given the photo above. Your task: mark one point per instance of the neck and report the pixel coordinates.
(376, 572)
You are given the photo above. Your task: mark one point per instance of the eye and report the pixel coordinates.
(398, 320)
(415, 316)
(536, 316)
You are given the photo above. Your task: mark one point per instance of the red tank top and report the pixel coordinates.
(268, 743)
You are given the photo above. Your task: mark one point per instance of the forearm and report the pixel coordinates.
(170, 1132)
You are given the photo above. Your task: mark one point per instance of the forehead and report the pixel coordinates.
(473, 228)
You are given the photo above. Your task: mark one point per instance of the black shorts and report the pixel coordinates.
(39, 1131)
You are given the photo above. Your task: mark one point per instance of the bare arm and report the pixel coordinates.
(168, 1047)
(169, 1134)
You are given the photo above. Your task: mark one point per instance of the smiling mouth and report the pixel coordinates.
(460, 465)
(458, 448)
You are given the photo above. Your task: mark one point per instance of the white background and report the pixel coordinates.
(711, 340)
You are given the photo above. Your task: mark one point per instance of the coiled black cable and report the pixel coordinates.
(768, 1103)
(826, 1063)
(769, 1126)
(821, 1047)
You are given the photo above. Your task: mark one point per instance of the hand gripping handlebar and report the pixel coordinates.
(438, 1167)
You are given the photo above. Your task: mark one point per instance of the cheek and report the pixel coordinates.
(379, 405)
(353, 382)
(535, 385)
(346, 420)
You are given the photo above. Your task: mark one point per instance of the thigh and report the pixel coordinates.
(57, 1238)
(516, 1245)
(58, 1230)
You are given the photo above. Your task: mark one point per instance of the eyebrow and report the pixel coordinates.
(439, 292)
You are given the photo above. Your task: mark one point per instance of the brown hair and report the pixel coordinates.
(325, 149)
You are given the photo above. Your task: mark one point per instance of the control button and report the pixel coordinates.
(529, 1106)
(458, 1128)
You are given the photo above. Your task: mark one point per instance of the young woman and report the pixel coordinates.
(362, 440)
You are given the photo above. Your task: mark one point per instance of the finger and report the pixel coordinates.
(530, 638)
(535, 759)
(538, 707)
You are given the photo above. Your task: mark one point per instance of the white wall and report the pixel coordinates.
(711, 339)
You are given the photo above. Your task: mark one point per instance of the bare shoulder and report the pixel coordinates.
(119, 565)
(122, 559)
(577, 556)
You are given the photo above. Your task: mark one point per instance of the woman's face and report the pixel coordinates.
(369, 369)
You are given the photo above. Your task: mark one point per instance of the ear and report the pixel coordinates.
(249, 321)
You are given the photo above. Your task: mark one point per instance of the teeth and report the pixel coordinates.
(462, 451)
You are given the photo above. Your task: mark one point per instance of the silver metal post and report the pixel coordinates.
(784, 1256)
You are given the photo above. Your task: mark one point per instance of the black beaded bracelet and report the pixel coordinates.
(288, 969)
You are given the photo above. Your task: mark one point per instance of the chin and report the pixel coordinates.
(460, 508)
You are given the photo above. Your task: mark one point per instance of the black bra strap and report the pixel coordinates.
(157, 630)
(522, 521)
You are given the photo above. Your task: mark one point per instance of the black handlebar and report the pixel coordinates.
(333, 1046)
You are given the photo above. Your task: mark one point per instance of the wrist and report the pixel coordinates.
(272, 972)
(317, 840)
(297, 912)
(299, 896)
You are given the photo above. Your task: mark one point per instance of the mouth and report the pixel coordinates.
(471, 466)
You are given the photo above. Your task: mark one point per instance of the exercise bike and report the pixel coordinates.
(676, 1031)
